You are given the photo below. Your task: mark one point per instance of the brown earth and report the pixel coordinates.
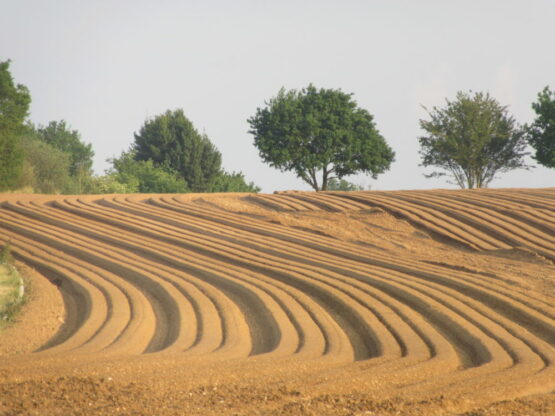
(360, 303)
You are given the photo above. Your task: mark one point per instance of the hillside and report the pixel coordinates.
(347, 303)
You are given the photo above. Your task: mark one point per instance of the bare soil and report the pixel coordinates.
(360, 303)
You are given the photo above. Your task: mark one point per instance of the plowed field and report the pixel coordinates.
(298, 303)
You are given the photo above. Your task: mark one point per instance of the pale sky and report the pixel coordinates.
(105, 66)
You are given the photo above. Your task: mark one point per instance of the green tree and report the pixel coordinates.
(108, 184)
(343, 185)
(541, 134)
(319, 135)
(144, 177)
(170, 141)
(14, 107)
(59, 135)
(472, 138)
(46, 168)
(233, 182)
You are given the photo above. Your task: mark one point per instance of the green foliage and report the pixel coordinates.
(11, 289)
(12, 295)
(14, 107)
(233, 182)
(541, 134)
(319, 133)
(343, 185)
(109, 184)
(170, 141)
(46, 169)
(473, 138)
(55, 160)
(59, 135)
(144, 177)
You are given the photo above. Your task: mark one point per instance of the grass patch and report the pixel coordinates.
(12, 295)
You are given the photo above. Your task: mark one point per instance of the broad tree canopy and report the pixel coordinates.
(319, 135)
(541, 134)
(171, 141)
(59, 135)
(472, 138)
(14, 107)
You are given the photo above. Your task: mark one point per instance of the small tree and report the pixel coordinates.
(541, 134)
(233, 182)
(473, 138)
(170, 141)
(343, 185)
(142, 176)
(319, 135)
(14, 107)
(47, 167)
(59, 135)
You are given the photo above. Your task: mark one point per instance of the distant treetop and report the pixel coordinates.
(14, 108)
(319, 134)
(541, 134)
(171, 141)
(472, 139)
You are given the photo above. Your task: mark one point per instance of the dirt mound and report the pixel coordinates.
(411, 302)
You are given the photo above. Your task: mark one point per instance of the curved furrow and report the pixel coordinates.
(278, 254)
(299, 204)
(550, 191)
(518, 212)
(474, 357)
(533, 200)
(514, 221)
(436, 225)
(268, 334)
(350, 319)
(87, 306)
(179, 276)
(534, 358)
(130, 322)
(329, 202)
(262, 303)
(160, 293)
(547, 194)
(221, 325)
(266, 203)
(540, 210)
(399, 323)
(281, 203)
(316, 203)
(497, 282)
(530, 361)
(502, 227)
(527, 356)
(538, 323)
(137, 332)
(161, 282)
(271, 236)
(433, 220)
(317, 331)
(198, 308)
(546, 360)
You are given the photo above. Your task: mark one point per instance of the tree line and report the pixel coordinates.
(168, 155)
(321, 135)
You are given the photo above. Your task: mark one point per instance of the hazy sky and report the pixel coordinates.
(105, 66)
